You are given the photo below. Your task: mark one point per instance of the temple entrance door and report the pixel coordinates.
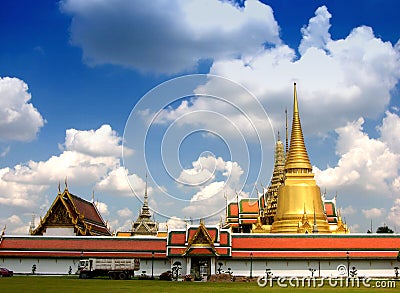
(200, 268)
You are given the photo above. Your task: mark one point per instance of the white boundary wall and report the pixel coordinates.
(239, 267)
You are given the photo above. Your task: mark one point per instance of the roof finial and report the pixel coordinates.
(145, 194)
(66, 184)
(3, 233)
(32, 226)
(59, 188)
(92, 196)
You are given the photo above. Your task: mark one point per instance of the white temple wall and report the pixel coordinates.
(323, 268)
(47, 266)
(159, 266)
(239, 267)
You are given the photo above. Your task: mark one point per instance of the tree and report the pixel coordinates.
(384, 229)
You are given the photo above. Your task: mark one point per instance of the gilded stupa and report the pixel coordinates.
(276, 182)
(299, 203)
(292, 203)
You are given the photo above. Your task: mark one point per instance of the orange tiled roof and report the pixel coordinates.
(316, 242)
(330, 209)
(233, 210)
(76, 246)
(248, 206)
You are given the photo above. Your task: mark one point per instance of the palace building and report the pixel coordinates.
(290, 229)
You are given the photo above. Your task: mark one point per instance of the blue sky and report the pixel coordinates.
(72, 73)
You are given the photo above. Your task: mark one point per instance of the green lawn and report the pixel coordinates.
(71, 284)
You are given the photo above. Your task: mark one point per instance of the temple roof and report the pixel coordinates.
(69, 210)
(312, 246)
(83, 246)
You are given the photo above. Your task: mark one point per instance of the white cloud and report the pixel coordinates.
(168, 36)
(355, 228)
(100, 142)
(373, 213)
(344, 79)
(203, 170)
(349, 78)
(76, 163)
(103, 208)
(13, 193)
(390, 131)
(116, 182)
(394, 214)
(175, 223)
(316, 34)
(5, 151)
(365, 163)
(16, 220)
(209, 200)
(349, 210)
(19, 119)
(125, 213)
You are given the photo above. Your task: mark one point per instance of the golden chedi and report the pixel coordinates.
(299, 195)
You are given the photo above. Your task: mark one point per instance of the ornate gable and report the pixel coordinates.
(59, 216)
(200, 240)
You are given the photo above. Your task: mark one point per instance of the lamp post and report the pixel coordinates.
(152, 265)
(251, 265)
(348, 263)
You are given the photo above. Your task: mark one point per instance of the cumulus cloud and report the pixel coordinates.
(19, 119)
(125, 213)
(364, 162)
(349, 210)
(367, 167)
(171, 36)
(316, 34)
(100, 142)
(119, 182)
(103, 208)
(373, 213)
(175, 223)
(394, 213)
(344, 79)
(13, 193)
(210, 199)
(390, 131)
(203, 170)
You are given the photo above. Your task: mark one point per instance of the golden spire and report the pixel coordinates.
(299, 191)
(297, 160)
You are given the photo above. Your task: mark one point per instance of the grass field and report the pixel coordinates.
(42, 284)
